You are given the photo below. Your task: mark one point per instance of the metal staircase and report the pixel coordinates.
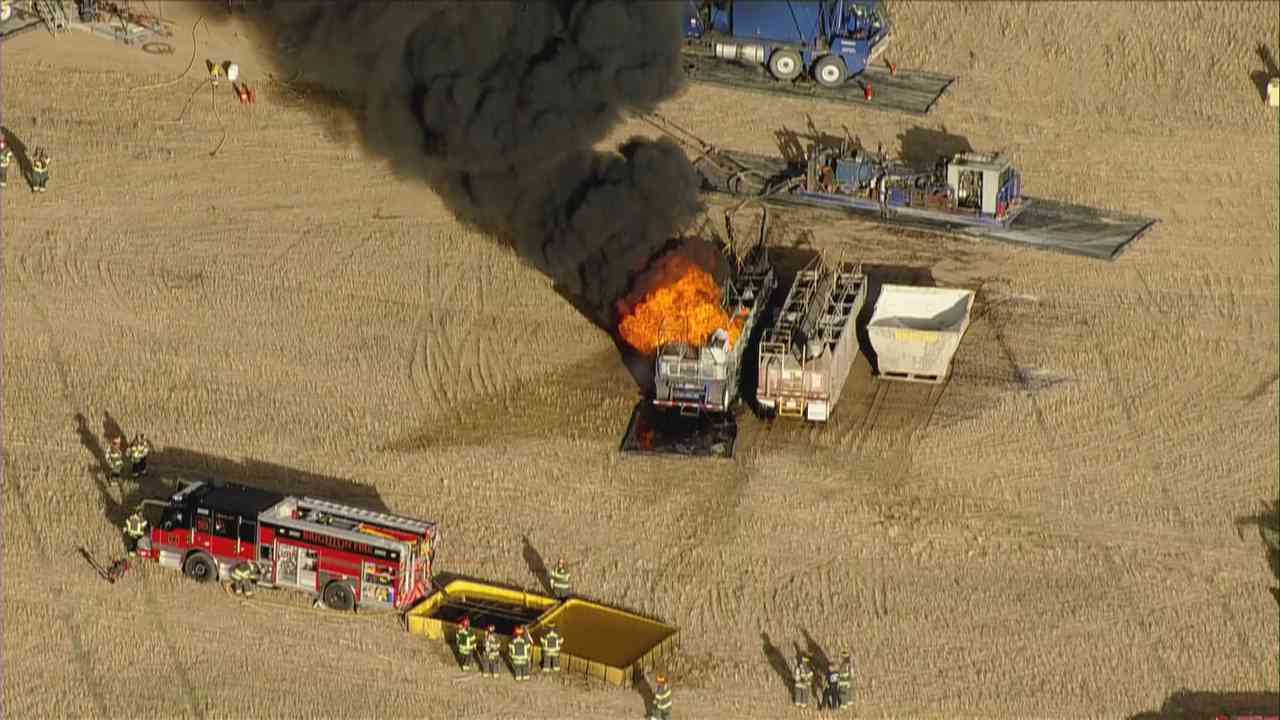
(52, 13)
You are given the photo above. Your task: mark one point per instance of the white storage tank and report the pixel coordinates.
(915, 331)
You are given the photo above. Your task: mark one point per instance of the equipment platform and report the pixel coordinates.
(1044, 224)
(654, 432)
(909, 91)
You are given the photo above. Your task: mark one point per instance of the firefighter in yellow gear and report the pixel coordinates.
(560, 584)
(40, 171)
(139, 449)
(465, 641)
(6, 159)
(115, 456)
(662, 700)
(244, 577)
(135, 527)
(802, 682)
(519, 651)
(492, 652)
(551, 650)
(844, 681)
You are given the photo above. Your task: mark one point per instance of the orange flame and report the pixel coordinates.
(683, 306)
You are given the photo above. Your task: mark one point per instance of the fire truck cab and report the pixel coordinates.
(342, 555)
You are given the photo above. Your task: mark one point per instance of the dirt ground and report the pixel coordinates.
(1064, 534)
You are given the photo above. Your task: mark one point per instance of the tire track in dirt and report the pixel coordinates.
(79, 652)
(1060, 464)
(1171, 503)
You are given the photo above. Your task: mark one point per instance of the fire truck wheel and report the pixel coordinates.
(338, 596)
(200, 567)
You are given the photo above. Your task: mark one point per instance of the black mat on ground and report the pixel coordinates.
(656, 432)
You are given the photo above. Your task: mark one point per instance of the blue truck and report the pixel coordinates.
(830, 40)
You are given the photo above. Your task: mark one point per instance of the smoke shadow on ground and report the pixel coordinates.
(20, 152)
(1197, 705)
(1268, 71)
(920, 147)
(169, 467)
(776, 660)
(537, 565)
(1267, 523)
(877, 277)
(564, 403)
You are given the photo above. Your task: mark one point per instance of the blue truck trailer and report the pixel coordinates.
(829, 40)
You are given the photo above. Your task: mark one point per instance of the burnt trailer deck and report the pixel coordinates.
(653, 431)
(1045, 224)
(915, 92)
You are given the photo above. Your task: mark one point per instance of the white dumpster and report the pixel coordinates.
(915, 331)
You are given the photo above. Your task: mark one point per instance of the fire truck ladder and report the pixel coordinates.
(52, 13)
(384, 519)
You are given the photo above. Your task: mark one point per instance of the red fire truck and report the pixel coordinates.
(343, 555)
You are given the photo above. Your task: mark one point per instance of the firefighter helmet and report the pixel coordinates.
(117, 441)
(519, 630)
(466, 622)
(493, 628)
(662, 679)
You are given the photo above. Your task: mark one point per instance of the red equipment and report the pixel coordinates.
(345, 556)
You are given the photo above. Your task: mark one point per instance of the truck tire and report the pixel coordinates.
(830, 71)
(338, 595)
(785, 64)
(200, 567)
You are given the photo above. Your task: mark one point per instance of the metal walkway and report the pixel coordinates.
(915, 92)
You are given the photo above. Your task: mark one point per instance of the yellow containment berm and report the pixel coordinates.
(598, 641)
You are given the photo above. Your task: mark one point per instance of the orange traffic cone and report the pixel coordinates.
(893, 69)
(243, 92)
(867, 92)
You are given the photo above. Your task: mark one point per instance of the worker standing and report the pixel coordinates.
(832, 691)
(662, 700)
(466, 643)
(115, 456)
(802, 681)
(492, 652)
(135, 527)
(519, 651)
(6, 159)
(244, 577)
(551, 650)
(139, 449)
(40, 171)
(844, 681)
(561, 586)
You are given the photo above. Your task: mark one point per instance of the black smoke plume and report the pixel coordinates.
(498, 106)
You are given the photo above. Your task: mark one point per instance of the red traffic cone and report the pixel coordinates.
(867, 92)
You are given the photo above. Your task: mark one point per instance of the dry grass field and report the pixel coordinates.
(288, 313)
